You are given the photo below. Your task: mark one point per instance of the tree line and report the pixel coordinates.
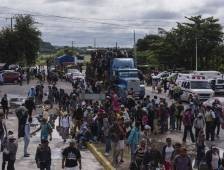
(21, 43)
(177, 48)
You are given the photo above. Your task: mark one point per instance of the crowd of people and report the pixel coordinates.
(116, 124)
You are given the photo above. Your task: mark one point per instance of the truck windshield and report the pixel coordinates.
(200, 85)
(128, 74)
(220, 81)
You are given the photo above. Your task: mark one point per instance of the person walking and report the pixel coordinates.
(122, 134)
(27, 136)
(167, 153)
(152, 158)
(187, 121)
(114, 132)
(200, 149)
(139, 154)
(22, 115)
(133, 139)
(9, 152)
(107, 136)
(46, 130)
(212, 158)
(179, 110)
(64, 122)
(5, 107)
(209, 121)
(43, 156)
(182, 161)
(199, 124)
(71, 157)
(3, 130)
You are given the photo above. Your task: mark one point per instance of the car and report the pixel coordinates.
(76, 75)
(13, 67)
(10, 76)
(161, 75)
(15, 100)
(68, 75)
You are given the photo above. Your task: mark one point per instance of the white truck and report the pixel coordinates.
(196, 86)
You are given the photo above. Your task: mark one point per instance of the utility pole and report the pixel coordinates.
(196, 53)
(11, 21)
(135, 54)
(72, 45)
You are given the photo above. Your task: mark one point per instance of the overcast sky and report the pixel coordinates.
(106, 21)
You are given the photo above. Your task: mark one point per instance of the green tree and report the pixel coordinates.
(28, 38)
(177, 47)
(9, 53)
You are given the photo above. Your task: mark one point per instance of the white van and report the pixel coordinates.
(182, 77)
(196, 87)
(209, 74)
(217, 85)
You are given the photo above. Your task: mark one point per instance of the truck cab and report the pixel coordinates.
(125, 76)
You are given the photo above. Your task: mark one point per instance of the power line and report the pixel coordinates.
(92, 20)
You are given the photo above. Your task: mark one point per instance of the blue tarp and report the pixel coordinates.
(65, 59)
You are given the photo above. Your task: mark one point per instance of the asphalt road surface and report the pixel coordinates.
(88, 160)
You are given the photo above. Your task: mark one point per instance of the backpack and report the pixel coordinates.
(43, 154)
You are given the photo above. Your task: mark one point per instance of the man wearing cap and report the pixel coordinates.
(71, 157)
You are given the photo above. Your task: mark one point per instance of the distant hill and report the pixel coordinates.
(46, 47)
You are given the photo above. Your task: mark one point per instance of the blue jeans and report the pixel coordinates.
(107, 144)
(133, 150)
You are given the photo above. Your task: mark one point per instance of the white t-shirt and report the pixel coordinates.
(65, 122)
(168, 153)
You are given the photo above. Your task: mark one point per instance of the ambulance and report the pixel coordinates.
(196, 85)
